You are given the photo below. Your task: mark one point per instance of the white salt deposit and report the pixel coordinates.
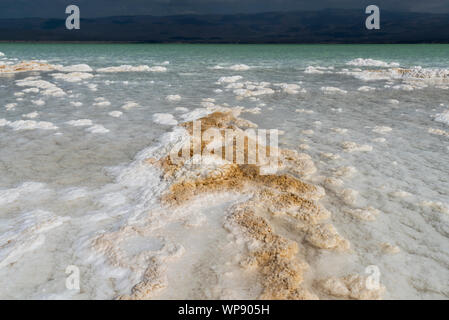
(366, 89)
(165, 118)
(115, 114)
(129, 105)
(239, 67)
(333, 90)
(73, 76)
(31, 125)
(97, 128)
(443, 117)
(47, 88)
(31, 115)
(129, 68)
(80, 122)
(382, 129)
(360, 62)
(10, 106)
(230, 79)
(173, 97)
(39, 102)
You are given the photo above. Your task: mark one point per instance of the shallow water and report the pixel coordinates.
(64, 182)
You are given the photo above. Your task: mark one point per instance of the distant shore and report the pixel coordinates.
(330, 26)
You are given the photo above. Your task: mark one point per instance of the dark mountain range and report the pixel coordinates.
(327, 26)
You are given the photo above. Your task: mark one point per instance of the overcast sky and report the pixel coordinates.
(98, 8)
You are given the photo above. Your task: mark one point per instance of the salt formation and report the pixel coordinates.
(47, 88)
(413, 78)
(318, 70)
(278, 260)
(350, 146)
(128, 68)
(360, 62)
(115, 114)
(382, 129)
(31, 115)
(366, 89)
(173, 97)
(239, 67)
(26, 66)
(19, 125)
(129, 105)
(333, 90)
(72, 76)
(388, 248)
(165, 118)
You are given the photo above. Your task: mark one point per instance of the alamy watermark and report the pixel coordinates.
(73, 20)
(372, 282)
(72, 282)
(373, 21)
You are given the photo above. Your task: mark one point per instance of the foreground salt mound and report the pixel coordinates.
(277, 260)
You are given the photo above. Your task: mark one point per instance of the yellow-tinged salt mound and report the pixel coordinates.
(276, 258)
(25, 66)
(281, 273)
(325, 236)
(389, 248)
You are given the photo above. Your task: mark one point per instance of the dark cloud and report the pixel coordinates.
(97, 8)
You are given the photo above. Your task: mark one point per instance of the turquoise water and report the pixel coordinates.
(426, 55)
(63, 183)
